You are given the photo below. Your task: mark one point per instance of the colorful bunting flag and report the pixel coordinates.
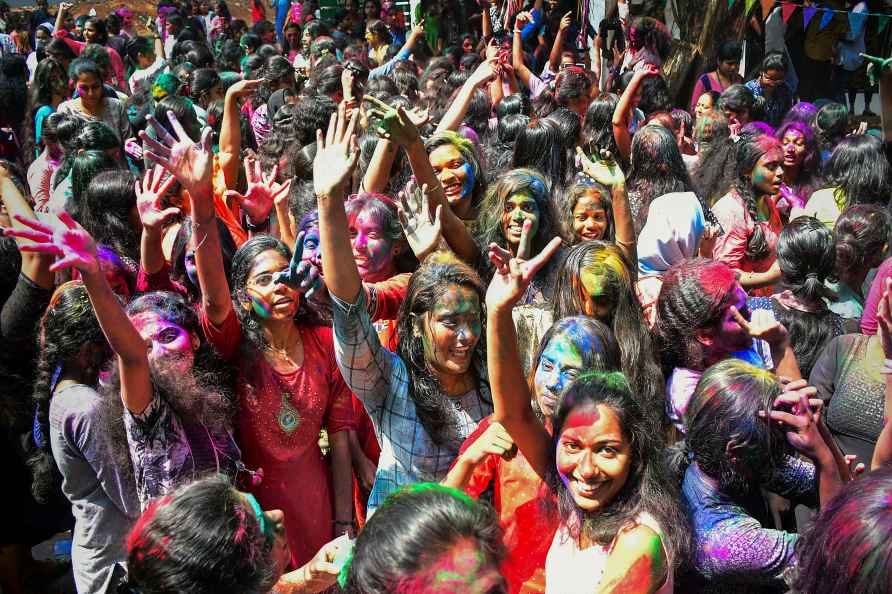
(856, 22)
(807, 13)
(825, 19)
(884, 20)
(767, 5)
(787, 11)
(749, 6)
(730, 4)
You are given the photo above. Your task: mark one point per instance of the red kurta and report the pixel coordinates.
(519, 499)
(296, 477)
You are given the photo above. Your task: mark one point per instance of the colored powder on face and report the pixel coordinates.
(468, 186)
(260, 308)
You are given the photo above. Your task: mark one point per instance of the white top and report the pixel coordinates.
(569, 570)
(141, 78)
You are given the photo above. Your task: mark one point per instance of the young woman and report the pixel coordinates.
(92, 104)
(741, 425)
(208, 523)
(737, 104)
(571, 347)
(673, 232)
(726, 72)
(748, 214)
(438, 541)
(702, 319)
(708, 101)
(378, 37)
(518, 209)
(773, 95)
(288, 386)
(612, 495)
(801, 165)
(41, 170)
(862, 240)
(857, 172)
(805, 253)
(82, 437)
(146, 55)
(428, 397)
(48, 91)
(596, 280)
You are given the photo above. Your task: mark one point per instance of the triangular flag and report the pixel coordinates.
(884, 20)
(730, 3)
(767, 5)
(787, 11)
(825, 19)
(749, 6)
(856, 22)
(807, 13)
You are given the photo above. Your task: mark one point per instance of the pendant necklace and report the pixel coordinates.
(288, 417)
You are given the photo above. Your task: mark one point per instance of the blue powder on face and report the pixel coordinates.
(469, 180)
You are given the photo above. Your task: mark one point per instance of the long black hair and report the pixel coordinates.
(656, 168)
(859, 171)
(68, 324)
(540, 146)
(104, 208)
(430, 282)
(750, 149)
(649, 486)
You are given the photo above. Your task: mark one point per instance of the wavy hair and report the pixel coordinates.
(859, 171)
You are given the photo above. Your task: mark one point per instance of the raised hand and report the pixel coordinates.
(189, 162)
(566, 21)
(261, 193)
(243, 88)
(494, 441)
(485, 72)
(800, 423)
(149, 193)
(336, 154)
(301, 275)
(419, 116)
(69, 241)
(422, 231)
(603, 170)
(395, 124)
(514, 274)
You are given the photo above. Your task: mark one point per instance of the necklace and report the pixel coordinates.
(288, 417)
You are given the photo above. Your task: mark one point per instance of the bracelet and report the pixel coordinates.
(518, 31)
(887, 367)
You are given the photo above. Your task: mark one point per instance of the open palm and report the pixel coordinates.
(69, 241)
(262, 191)
(149, 193)
(190, 162)
(336, 154)
(423, 231)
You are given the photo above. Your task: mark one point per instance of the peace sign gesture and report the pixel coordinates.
(515, 273)
(301, 276)
(69, 241)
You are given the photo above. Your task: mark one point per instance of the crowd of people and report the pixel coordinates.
(345, 300)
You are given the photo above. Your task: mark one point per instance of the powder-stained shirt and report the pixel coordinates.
(733, 549)
(380, 379)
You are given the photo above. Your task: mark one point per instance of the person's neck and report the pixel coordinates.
(280, 335)
(75, 374)
(455, 385)
(854, 279)
(791, 174)
(382, 275)
(726, 81)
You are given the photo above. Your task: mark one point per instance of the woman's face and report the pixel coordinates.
(270, 300)
(728, 336)
(560, 363)
(216, 93)
(589, 217)
(373, 250)
(729, 68)
(371, 10)
(704, 105)
(370, 37)
(312, 252)
(457, 177)
(593, 456)
(165, 340)
(91, 35)
(771, 79)
(467, 46)
(112, 267)
(518, 208)
(601, 302)
(292, 36)
(451, 330)
(306, 39)
(89, 88)
(42, 37)
(769, 173)
(794, 148)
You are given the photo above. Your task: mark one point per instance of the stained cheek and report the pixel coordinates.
(468, 184)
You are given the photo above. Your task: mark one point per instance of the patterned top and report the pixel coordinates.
(773, 108)
(380, 380)
(166, 452)
(733, 549)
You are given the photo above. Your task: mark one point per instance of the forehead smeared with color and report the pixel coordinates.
(715, 278)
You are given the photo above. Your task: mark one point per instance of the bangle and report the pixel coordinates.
(256, 227)
(887, 367)
(518, 31)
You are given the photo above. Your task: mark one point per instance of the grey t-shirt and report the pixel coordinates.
(102, 494)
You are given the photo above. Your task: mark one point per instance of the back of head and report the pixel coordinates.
(806, 255)
(858, 168)
(201, 538)
(427, 538)
(862, 235)
(848, 546)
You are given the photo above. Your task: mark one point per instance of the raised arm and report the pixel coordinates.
(398, 127)
(378, 172)
(77, 249)
(230, 130)
(453, 117)
(35, 266)
(554, 58)
(604, 170)
(260, 196)
(190, 164)
(624, 108)
(149, 193)
(511, 396)
(520, 68)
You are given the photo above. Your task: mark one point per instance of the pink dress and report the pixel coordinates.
(296, 477)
